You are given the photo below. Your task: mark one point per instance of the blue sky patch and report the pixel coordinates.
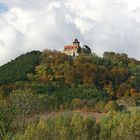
(3, 8)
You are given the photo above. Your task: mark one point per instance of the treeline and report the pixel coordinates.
(17, 69)
(61, 97)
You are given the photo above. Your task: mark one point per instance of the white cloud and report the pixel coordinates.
(105, 25)
(19, 19)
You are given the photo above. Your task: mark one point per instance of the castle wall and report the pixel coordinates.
(72, 49)
(72, 52)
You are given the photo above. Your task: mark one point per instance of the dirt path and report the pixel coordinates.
(97, 115)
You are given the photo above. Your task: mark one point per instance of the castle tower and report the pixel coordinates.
(72, 49)
(76, 42)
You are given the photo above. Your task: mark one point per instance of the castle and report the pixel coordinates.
(72, 49)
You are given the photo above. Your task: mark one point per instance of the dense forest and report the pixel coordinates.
(17, 69)
(37, 84)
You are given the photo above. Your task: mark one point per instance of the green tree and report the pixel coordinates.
(25, 104)
(17, 69)
(7, 120)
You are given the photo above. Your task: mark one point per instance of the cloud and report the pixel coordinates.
(105, 25)
(111, 28)
(8, 41)
(50, 30)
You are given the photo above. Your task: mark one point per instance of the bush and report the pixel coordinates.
(78, 104)
(121, 126)
(100, 106)
(91, 103)
(62, 127)
(7, 120)
(111, 106)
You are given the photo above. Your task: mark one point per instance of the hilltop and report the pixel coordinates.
(94, 79)
(115, 73)
(37, 86)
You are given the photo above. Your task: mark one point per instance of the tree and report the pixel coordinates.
(119, 75)
(137, 78)
(111, 106)
(25, 104)
(110, 90)
(8, 118)
(17, 69)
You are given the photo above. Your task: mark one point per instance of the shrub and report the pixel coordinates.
(78, 103)
(62, 127)
(121, 126)
(111, 106)
(7, 120)
(91, 103)
(25, 105)
(100, 106)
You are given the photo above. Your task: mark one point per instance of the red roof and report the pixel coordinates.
(70, 47)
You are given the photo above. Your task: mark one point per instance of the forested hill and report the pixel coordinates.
(17, 69)
(37, 87)
(115, 73)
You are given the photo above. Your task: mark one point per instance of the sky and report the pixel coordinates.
(103, 25)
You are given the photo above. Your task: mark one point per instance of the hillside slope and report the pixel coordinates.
(115, 73)
(17, 69)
